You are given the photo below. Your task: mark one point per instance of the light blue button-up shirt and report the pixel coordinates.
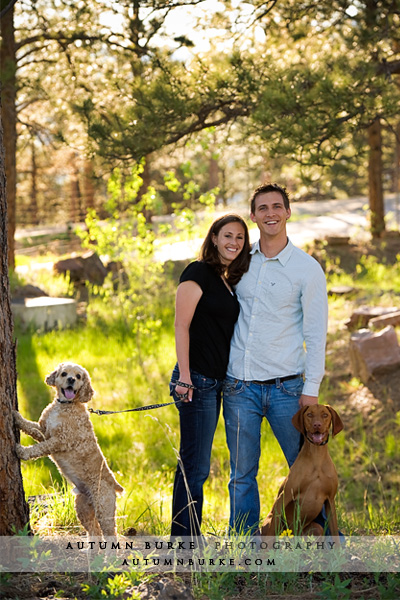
(283, 319)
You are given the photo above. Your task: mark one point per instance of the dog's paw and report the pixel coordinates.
(37, 435)
(17, 417)
(21, 452)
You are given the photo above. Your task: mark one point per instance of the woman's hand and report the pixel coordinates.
(182, 392)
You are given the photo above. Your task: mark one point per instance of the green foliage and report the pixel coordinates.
(184, 213)
(55, 511)
(388, 586)
(215, 586)
(337, 590)
(392, 446)
(134, 288)
(114, 585)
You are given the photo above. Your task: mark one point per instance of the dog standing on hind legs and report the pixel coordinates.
(312, 480)
(65, 434)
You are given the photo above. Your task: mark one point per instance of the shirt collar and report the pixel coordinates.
(283, 255)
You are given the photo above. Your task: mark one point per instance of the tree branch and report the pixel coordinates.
(389, 68)
(7, 8)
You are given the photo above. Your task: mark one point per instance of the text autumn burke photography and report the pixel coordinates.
(262, 554)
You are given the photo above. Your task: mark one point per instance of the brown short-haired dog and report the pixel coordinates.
(65, 433)
(312, 480)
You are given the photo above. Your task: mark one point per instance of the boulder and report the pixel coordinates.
(373, 353)
(337, 240)
(361, 317)
(87, 267)
(385, 320)
(342, 290)
(45, 313)
(28, 291)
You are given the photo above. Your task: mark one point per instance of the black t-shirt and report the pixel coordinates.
(213, 321)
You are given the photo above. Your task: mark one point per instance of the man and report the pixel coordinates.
(283, 306)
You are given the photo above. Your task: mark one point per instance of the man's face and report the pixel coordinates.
(270, 214)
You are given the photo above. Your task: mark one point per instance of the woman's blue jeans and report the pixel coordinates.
(198, 421)
(245, 405)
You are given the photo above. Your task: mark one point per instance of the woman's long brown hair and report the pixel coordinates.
(209, 253)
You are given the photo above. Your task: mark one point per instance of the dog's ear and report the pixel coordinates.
(86, 392)
(51, 379)
(298, 420)
(337, 424)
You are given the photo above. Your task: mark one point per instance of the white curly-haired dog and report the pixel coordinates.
(65, 433)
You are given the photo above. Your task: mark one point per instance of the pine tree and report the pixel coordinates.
(14, 513)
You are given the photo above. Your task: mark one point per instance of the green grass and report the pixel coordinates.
(141, 447)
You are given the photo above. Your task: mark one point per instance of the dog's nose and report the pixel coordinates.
(317, 424)
(71, 380)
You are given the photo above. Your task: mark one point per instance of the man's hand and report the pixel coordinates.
(307, 400)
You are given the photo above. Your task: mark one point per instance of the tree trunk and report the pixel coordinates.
(223, 192)
(213, 173)
(14, 512)
(146, 176)
(88, 185)
(375, 171)
(397, 177)
(75, 210)
(34, 207)
(8, 116)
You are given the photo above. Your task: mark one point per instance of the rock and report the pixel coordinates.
(373, 353)
(385, 320)
(337, 240)
(164, 589)
(28, 291)
(87, 267)
(118, 274)
(45, 313)
(391, 234)
(342, 290)
(361, 317)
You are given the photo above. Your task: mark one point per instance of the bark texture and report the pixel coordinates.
(14, 512)
(375, 171)
(9, 118)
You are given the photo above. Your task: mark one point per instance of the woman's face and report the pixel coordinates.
(229, 241)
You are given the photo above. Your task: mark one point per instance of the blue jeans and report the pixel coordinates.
(245, 405)
(198, 421)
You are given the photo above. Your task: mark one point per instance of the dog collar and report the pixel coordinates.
(64, 401)
(322, 443)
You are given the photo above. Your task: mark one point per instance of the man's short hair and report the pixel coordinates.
(265, 188)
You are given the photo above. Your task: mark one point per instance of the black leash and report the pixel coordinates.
(149, 407)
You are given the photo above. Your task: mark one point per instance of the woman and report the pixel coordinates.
(206, 311)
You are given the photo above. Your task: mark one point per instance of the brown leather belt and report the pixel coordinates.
(277, 380)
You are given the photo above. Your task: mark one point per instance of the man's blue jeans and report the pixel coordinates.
(245, 405)
(198, 421)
